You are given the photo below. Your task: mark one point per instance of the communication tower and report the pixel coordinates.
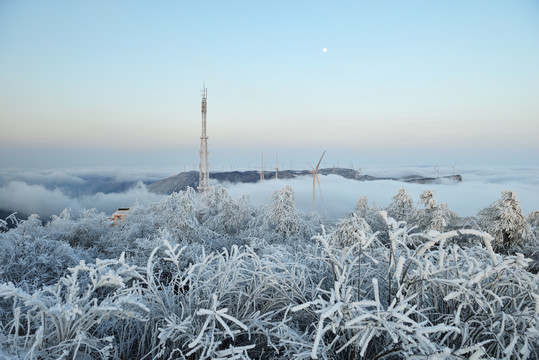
(204, 166)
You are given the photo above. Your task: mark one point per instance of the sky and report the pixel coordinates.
(117, 83)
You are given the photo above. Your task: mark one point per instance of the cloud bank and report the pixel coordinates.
(36, 199)
(479, 188)
(49, 192)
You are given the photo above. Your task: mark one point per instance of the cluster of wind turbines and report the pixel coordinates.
(261, 172)
(314, 171)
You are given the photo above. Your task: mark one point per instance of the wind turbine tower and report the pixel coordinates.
(261, 172)
(204, 166)
(277, 166)
(315, 179)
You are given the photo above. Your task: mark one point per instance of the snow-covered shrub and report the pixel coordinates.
(492, 300)
(402, 206)
(223, 305)
(314, 221)
(178, 213)
(32, 227)
(136, 235)
(65, 320)
(61, 226)
(282, 212)
(139, 223)
(83, 231)
(8, 222)
(371, 214)
(375, 287)
(494, 294)
(531, 250)
(434, 216)
(279, 220)
(224, 215)
(400, 302)
(349, 229)
(33, 262)
(354, 317)
(505, 221)
(206, 323)
(533, 221)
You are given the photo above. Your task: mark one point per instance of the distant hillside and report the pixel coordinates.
(181, 181)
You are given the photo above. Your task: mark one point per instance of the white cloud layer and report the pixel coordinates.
(36, 199)
(479, 188)
(34, 192)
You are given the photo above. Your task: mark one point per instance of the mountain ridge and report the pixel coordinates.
(181, 181)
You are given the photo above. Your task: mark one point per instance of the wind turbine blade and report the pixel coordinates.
(320, 159)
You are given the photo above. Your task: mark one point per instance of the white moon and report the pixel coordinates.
(325, 50)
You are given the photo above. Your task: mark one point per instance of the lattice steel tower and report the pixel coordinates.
(204, 166)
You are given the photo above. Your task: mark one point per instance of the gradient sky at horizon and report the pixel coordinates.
(117, 83)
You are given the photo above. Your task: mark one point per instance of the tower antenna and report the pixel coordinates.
(204, 166)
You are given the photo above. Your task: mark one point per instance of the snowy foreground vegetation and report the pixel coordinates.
(229, 281)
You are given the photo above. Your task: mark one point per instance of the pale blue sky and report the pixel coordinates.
(94, 83)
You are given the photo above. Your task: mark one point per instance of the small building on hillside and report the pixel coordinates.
(119, 215)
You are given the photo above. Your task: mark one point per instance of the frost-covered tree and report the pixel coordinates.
(402, 206)
(362, 207)
(83, 231)
(434, 216)
(370, 214)
(505, 221)
(178, 213)
(282, 213)
(444, 218)
(140, 222)
(224, 215)
(533, 221)
(280, 219)
(427, 199)
(532, 249)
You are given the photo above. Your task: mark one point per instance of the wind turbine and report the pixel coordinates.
(277, 167)
(315, 179)
(262, 171)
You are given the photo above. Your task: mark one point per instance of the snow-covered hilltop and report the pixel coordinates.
(183, 180)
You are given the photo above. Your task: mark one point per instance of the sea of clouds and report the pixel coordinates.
(48, 192)
(479, 188)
